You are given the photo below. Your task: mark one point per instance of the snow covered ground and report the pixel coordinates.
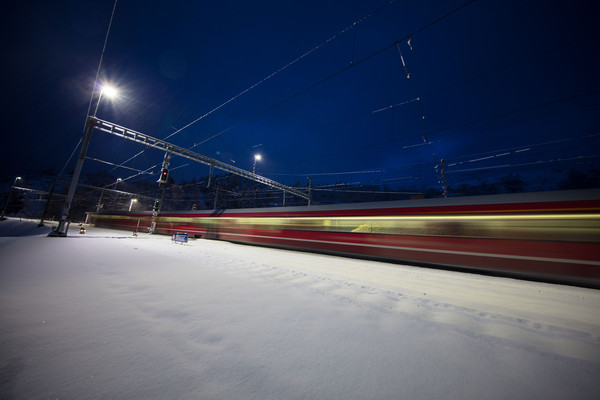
(107, 315)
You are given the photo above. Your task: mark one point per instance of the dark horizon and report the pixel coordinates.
(492, 88)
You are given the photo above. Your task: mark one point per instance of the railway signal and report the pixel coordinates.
(138, 137)
(163, 175)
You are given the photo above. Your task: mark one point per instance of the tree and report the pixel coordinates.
(512, 183)
(15, 203)
(581, 180)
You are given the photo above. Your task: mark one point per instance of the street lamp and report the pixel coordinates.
(257, 157)
(131, 203)
(107, 90)
(8, 198)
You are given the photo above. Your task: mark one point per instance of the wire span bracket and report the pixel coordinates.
(402, 59)
(150, 141)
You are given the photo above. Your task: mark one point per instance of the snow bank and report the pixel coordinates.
(108, 315)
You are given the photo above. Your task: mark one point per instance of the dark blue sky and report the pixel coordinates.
(496, 87)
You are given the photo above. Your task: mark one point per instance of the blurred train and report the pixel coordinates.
(549, 236)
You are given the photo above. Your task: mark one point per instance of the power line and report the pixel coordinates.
(330, 173)
(317, 189)
(101, 58)
(297, 59)
(117, 165)
(532, 163)
(315, 48)
(431, 93)
(456, 126)
(346, 119)
(335, 74)
(327, 78)
(294, 95)
(518, 149)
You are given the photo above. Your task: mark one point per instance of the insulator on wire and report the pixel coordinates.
(403, 63)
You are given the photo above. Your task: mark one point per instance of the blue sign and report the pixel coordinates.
(180, 237)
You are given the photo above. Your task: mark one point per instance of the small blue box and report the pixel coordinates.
(180, 237)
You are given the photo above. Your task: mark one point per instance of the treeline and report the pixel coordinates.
(44, 194)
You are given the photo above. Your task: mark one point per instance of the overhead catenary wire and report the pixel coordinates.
(297, 59)
(368, 57)
(532, 163)
(296, 94)
(317, 189)
(281, 69)
(93, 90)
(495, 70)
(496, 154)
(334, 74)
(80, 141)
(112, 15)
(141, 172)
(455, 126)
(470, 166)
(346, 119)
(331, 173)
(453, 134)
(116, 165)
(437, 91)
(481, 156)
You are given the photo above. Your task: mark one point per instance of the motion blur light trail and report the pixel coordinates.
(551, 236)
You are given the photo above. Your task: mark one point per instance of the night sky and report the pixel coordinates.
(373, 92)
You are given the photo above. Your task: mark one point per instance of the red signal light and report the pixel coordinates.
(163, 175)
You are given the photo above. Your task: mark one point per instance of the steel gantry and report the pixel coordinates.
(150, 141)
(104, 126)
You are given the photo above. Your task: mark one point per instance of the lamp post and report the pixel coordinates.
(61, 230)
(131, 203)
(115, 189)
(257, 157)
(99, 205)
(8, 198)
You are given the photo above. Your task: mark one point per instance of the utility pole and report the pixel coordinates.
(47, 206)
(99, 205)
(210, 175)
(8, 198)
(116, 193)
(155, 209)
(61, 231)
(216, 196)
(162, 181)
(444, 179)
(309, 189)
